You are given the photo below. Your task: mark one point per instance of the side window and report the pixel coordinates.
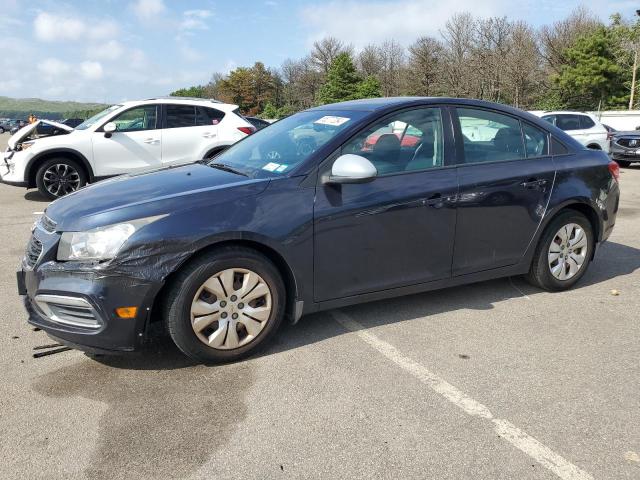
(180, 116)
(586, 122)
(489, 136)
(558, 148)
(405, 141)
(568, 122)
(535, 141)
(208, 116)
(136, 119)
(550, 118)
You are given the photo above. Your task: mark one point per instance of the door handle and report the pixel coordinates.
(208, 134)
(533, 183)
(436, 201)
(151, 141)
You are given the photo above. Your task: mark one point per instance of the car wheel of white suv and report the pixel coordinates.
(58, 177)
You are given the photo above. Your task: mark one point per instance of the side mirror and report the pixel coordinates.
(109, 128)
(351, 168)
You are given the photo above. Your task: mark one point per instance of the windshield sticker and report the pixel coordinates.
(271, 167)
(281, 168)
(331, 120)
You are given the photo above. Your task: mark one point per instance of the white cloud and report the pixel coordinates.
(362, 22)
(52, 67)
(110, 50)
(51, 27)
(91, 70)
(147, 9)
(195, 19)
(190, 54)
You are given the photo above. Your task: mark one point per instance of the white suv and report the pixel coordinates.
(584, 127)
(128, 137)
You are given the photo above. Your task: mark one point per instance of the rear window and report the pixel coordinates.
(208, 116)
(586, 122)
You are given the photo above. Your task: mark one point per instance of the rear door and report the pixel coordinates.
(397, 230)
(188, 131)
(505, 178)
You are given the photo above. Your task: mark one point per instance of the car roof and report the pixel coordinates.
(205, 102)
(566, 112)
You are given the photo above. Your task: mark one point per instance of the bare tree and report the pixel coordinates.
(491, 45)
(369, 61)
(555, 39)
(458, 38)
(393, 63)
(425, 66)
(325, 51)
(523, 66)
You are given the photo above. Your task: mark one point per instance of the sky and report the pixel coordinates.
(114, 50)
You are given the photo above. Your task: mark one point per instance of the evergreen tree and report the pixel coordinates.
(342, 81)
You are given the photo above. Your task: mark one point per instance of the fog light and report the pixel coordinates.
(126, 312)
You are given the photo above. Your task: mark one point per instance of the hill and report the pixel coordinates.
(22, 107)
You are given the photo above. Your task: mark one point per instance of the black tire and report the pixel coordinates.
(177, 305)
(540, 272)
(75, 179)
(1, 130)
(623, 163)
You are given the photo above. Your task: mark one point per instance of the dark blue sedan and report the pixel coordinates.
(394, 196)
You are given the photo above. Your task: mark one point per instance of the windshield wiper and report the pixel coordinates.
(227, 168)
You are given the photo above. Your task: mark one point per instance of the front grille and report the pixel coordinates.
(628, 142)
(47, 224)
(73, 311)
(34, 250)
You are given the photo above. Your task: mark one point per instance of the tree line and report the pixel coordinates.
(575, 63)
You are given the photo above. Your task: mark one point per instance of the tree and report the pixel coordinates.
(342, 81)
(368, 88)
(591, 77)
(197, 91)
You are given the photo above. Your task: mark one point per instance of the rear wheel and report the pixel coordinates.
(58, 177)
(623, 163)
(563, 253)
(225, 305)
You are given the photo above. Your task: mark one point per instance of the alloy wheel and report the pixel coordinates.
(60, 179)
(568, 251)
(231, 308)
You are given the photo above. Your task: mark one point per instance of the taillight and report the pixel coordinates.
(614, 169)
(247, 130)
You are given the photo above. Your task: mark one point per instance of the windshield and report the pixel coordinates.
(278, 148)
(97, 117)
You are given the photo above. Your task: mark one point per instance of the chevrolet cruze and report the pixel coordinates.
(223, 250)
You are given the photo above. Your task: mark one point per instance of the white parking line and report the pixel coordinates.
(505, 429)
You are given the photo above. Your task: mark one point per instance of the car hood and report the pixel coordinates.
(630, 133)
(167, 190)
(25, 131)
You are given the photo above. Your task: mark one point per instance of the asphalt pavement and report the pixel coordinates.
(496, 380)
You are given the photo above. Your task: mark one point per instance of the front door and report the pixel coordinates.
(397, 230)
(506, 177)
(135, 145)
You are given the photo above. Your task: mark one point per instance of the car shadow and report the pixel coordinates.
(35, 196)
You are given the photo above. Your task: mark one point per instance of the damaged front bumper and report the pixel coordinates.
(78, 308)
(76, 303)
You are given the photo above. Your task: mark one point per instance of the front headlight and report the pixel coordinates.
(102, 243)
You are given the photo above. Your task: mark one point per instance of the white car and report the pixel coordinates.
(584, 127)
(124, 138)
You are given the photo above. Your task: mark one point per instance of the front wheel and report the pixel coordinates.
(58, 177)
(563, 253)
(225, 305)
